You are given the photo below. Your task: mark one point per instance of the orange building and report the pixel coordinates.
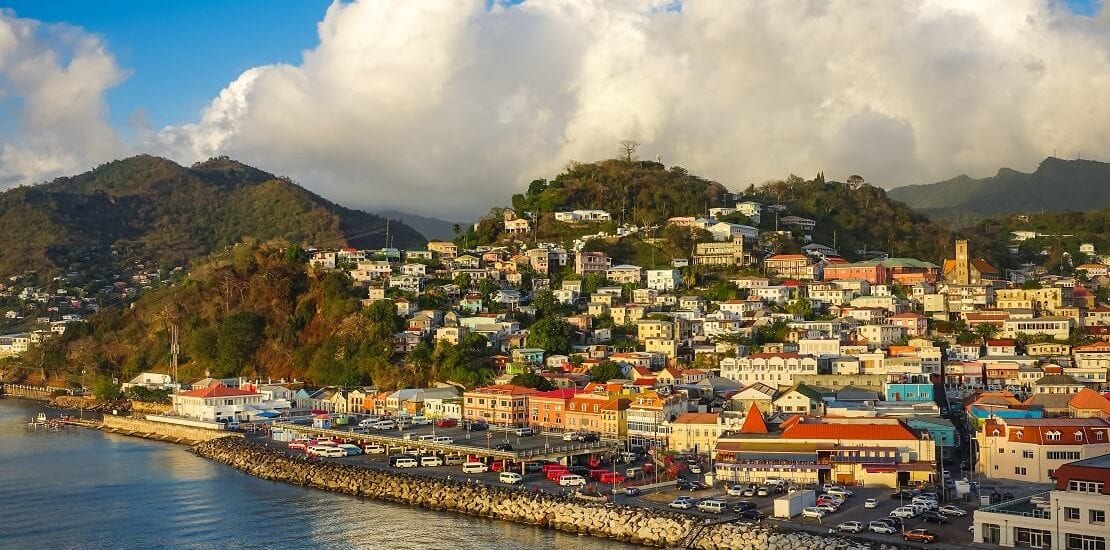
(547, 410)
(503, 404)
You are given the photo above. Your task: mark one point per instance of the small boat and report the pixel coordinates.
(38, 420)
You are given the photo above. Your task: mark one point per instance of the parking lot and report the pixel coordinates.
(955, 532)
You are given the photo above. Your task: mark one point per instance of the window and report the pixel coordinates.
(1079, 436)
(1071, 514)
(1098, 516)
(1085, 542)
(1027, 454)
(1052, 436)
(992, 533)
(1032, 538)
(1018, 470)
(1085, 486)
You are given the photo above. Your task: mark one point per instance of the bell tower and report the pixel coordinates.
(962, 274)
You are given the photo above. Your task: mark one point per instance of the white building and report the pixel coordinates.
(219, 403)
(663, 279)
(773, 369)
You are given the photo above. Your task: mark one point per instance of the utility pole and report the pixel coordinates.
(175, 350)
(386, 233)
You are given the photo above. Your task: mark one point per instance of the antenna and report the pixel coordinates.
(175, 350)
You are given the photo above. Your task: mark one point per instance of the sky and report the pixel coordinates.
(447, 107)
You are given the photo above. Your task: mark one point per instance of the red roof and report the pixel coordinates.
(1000, 343)
(754, 423)
(1090, 399)
(555, 394)
(785, 257)
(216, 390)
(858, 431)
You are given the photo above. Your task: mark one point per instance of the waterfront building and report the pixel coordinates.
(1031, 449)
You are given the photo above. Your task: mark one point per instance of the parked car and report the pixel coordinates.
(350, 450)
(839, 492)
(735, 491)
(950, 510)
(475, 468)
(933, 517)
(570, 436)
(446, 423)
(827, 507)
(920, 535)
(895, 522)
(406, 463)
(504, 447)
(903, 512)
(384, 425)
(632, 491)
(850, 527)
(812, 512)
(369, 421)
(682, 503)
(871, 503)
(431, 461)
(881, 527)
(477, 426)
(523, 432)
(373, 449)
(712, 506)
(695, 469)
(743, 505)
(752, 514)
(749, 492)
(762, 492)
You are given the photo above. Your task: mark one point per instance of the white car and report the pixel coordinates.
(850, 527)
(904, 512)
(812, 512)
(881, 527)
(695, 469)
(735, 491)
(871, 503)
(839, 492)
(682, 503)
(373, 449)
(950, 510)
(510, 478)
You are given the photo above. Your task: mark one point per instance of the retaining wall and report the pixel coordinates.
(162, 429)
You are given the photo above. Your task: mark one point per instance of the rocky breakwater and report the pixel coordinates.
(747, 536)
(630, 524)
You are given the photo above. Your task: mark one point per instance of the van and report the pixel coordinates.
(443, 439)
(403, 422)
(431, 461)
(406, 463)
(452, 460)
(523, 432)
(712, 506)
(511, 478)
(319, 450)
(334, 452)
(373, 449)
(420, 420)
(611, 478)
(369, 421)
(571, 480)
(425, 438)
(633, 472)
(475, 468)
(383, 425)
(350, 449)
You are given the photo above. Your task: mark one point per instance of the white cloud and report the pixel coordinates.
(445, 107)
(52, 83)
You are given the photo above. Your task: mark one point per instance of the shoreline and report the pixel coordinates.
(632, 524)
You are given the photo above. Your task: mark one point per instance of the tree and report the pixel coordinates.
(462, 280)
(532, 380)
(605, 371)
(627, 150)
(551, 334)
(545, 303)
(801, 307)
(105, 389)
(239, 336)
(986, 331)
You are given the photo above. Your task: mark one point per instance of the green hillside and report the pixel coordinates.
(256, 309)
(1056, 185)
(150, 209)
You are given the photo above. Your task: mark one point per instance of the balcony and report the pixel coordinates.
(1033, 506)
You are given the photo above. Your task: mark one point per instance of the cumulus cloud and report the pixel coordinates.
(52, 84)
(446, 107)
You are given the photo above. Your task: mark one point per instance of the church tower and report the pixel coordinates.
(962, 274)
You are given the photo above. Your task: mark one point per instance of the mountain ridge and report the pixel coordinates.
(147, 208)
(1056, 185)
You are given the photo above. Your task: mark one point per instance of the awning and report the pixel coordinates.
(268, 414)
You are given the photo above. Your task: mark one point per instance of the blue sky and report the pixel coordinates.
(181, 54)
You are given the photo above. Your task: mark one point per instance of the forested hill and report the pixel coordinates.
(258, 310)
(150, 209)
(647, 192)
(1055, 186)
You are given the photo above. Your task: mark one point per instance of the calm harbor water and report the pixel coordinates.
(84, 489)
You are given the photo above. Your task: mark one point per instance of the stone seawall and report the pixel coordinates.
(626, 523)
(162, 431)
